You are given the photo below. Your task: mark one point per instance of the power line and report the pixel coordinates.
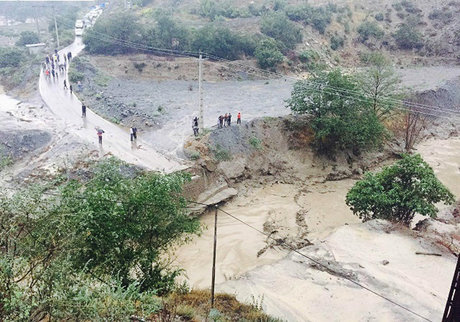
(318, 263)
(420, 108)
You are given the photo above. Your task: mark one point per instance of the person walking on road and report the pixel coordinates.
(99, 134)
(238, 118)
(70, 88)
(83, 110)
(65, 84)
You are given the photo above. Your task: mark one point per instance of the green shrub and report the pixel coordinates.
(408, 37)
(337, 42)
(379, 16)
(10, 57)
(278, 26)
(27, 37)
(255, 142)
(442, 15)
(221, 154)
(139, 66)
(369, 29)
(268, 54)
(75, 76)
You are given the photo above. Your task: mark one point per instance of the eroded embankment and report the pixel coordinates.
(298, 198)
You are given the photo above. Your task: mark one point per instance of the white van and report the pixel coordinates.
(79, 26)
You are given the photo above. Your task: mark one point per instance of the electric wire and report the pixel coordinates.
(419, 108)
(316, 261)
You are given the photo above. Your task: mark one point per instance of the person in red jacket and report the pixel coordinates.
(238, 118)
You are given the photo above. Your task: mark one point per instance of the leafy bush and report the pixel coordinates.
(318, 17)
(340, 121)
(139, 66)
(278, 26)
(308, 56)
(398, 192)
(26, 38)
(221, 154)
(442, 15)
(75, 76)
(268, 54)
(255, 142)
(337, 42)
(379, 16)
(408, 37)
(369, 29)
(10, 57)
(167, 33)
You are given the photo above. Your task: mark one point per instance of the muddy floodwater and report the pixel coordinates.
(238, 245)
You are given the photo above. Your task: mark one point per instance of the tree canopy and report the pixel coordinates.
(342, 117)
(66, 244)
(398, 192)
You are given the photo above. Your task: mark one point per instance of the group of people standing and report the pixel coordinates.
(226, 120)
(54, 65)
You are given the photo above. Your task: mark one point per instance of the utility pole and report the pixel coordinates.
(37, 25)
(200, 91)
(55, 27)
(452, 311)
(213, 282)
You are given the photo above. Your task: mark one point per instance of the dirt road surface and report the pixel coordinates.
(116, 139)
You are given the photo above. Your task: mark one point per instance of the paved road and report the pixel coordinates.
(116, 139)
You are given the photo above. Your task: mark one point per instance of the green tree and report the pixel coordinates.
(114, 35)
(268, 54)
(398, 192)
(124, 226)
(222, 42)
(10, 57)
(379, 82)
(408, 37)
(167, 33)
(27, 37)
(279, 27)
(370, 29)
(341, 116)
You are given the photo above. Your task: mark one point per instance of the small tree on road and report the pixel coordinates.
(398, 192)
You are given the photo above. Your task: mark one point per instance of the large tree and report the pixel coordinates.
(342, 117)
(398, 192)
(380, 84)
(125, 226)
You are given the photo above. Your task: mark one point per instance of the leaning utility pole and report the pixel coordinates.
(200, 91)
(55, 27)
(452, 311)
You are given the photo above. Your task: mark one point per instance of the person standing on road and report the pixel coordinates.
(238, 118)
(225, 119)
(99, 134)
(65, 84)
(229, 119)
(69, 56)
(195, 126)
(83, 110)
(70, 87)
(133, 133)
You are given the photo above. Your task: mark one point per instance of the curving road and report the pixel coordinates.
(116, 139)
